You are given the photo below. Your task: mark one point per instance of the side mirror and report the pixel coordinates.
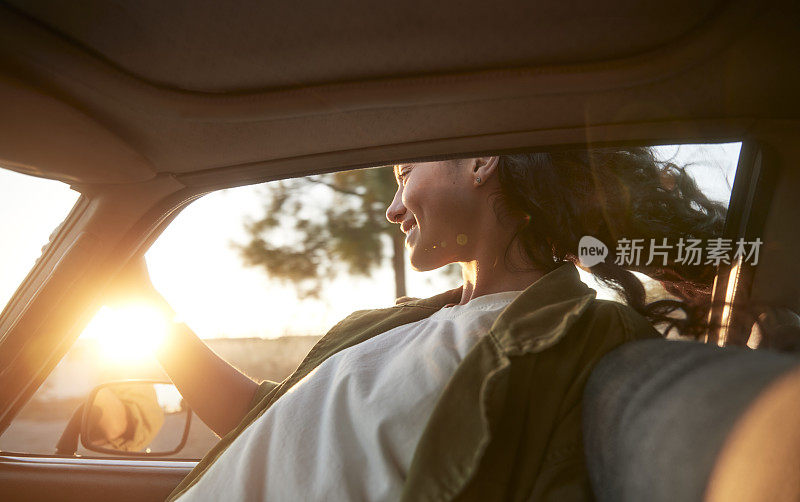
(135, 417)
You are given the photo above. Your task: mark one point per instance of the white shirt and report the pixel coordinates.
(348, 430)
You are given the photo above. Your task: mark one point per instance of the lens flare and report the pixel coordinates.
(127, 334)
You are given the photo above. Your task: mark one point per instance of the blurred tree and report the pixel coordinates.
(316, 227)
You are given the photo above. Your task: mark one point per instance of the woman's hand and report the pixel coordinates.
(219, 393)
(133, 284)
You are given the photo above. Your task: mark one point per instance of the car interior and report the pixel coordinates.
(143, 107)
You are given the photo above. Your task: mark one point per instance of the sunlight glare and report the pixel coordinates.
(127, 334)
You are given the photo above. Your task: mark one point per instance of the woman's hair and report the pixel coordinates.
(613, 194)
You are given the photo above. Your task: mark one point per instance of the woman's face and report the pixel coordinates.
(435, 205)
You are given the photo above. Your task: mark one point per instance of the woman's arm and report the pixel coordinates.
(219, 393)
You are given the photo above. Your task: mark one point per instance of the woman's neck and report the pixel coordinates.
(484, 279)
(498, 262)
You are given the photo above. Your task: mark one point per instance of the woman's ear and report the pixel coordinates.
(483, 168)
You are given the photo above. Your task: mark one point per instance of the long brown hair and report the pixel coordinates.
(611, 194)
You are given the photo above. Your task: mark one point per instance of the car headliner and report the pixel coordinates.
(113, 91)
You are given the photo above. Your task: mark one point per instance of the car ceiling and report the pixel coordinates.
(208, 46)
(95, 92)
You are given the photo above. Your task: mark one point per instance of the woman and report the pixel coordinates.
(473, 394)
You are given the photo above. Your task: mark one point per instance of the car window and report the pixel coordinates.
(30, 210)
(262, 272)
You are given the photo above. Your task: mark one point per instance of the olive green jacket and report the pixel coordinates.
(508, 423)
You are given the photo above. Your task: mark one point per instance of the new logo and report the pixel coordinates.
(591, 251)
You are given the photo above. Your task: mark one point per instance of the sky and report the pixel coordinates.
(197, 269)
(30, 209)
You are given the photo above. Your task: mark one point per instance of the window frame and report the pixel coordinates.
(754, 181)
(159, 215)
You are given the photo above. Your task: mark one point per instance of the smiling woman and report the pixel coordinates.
(426, 374)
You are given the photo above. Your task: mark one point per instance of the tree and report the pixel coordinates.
(313, 228)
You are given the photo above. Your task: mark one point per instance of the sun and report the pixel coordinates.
(127, 334)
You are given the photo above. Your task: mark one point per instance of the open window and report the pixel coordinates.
(261, 272)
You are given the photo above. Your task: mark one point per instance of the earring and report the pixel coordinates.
(477, 180)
